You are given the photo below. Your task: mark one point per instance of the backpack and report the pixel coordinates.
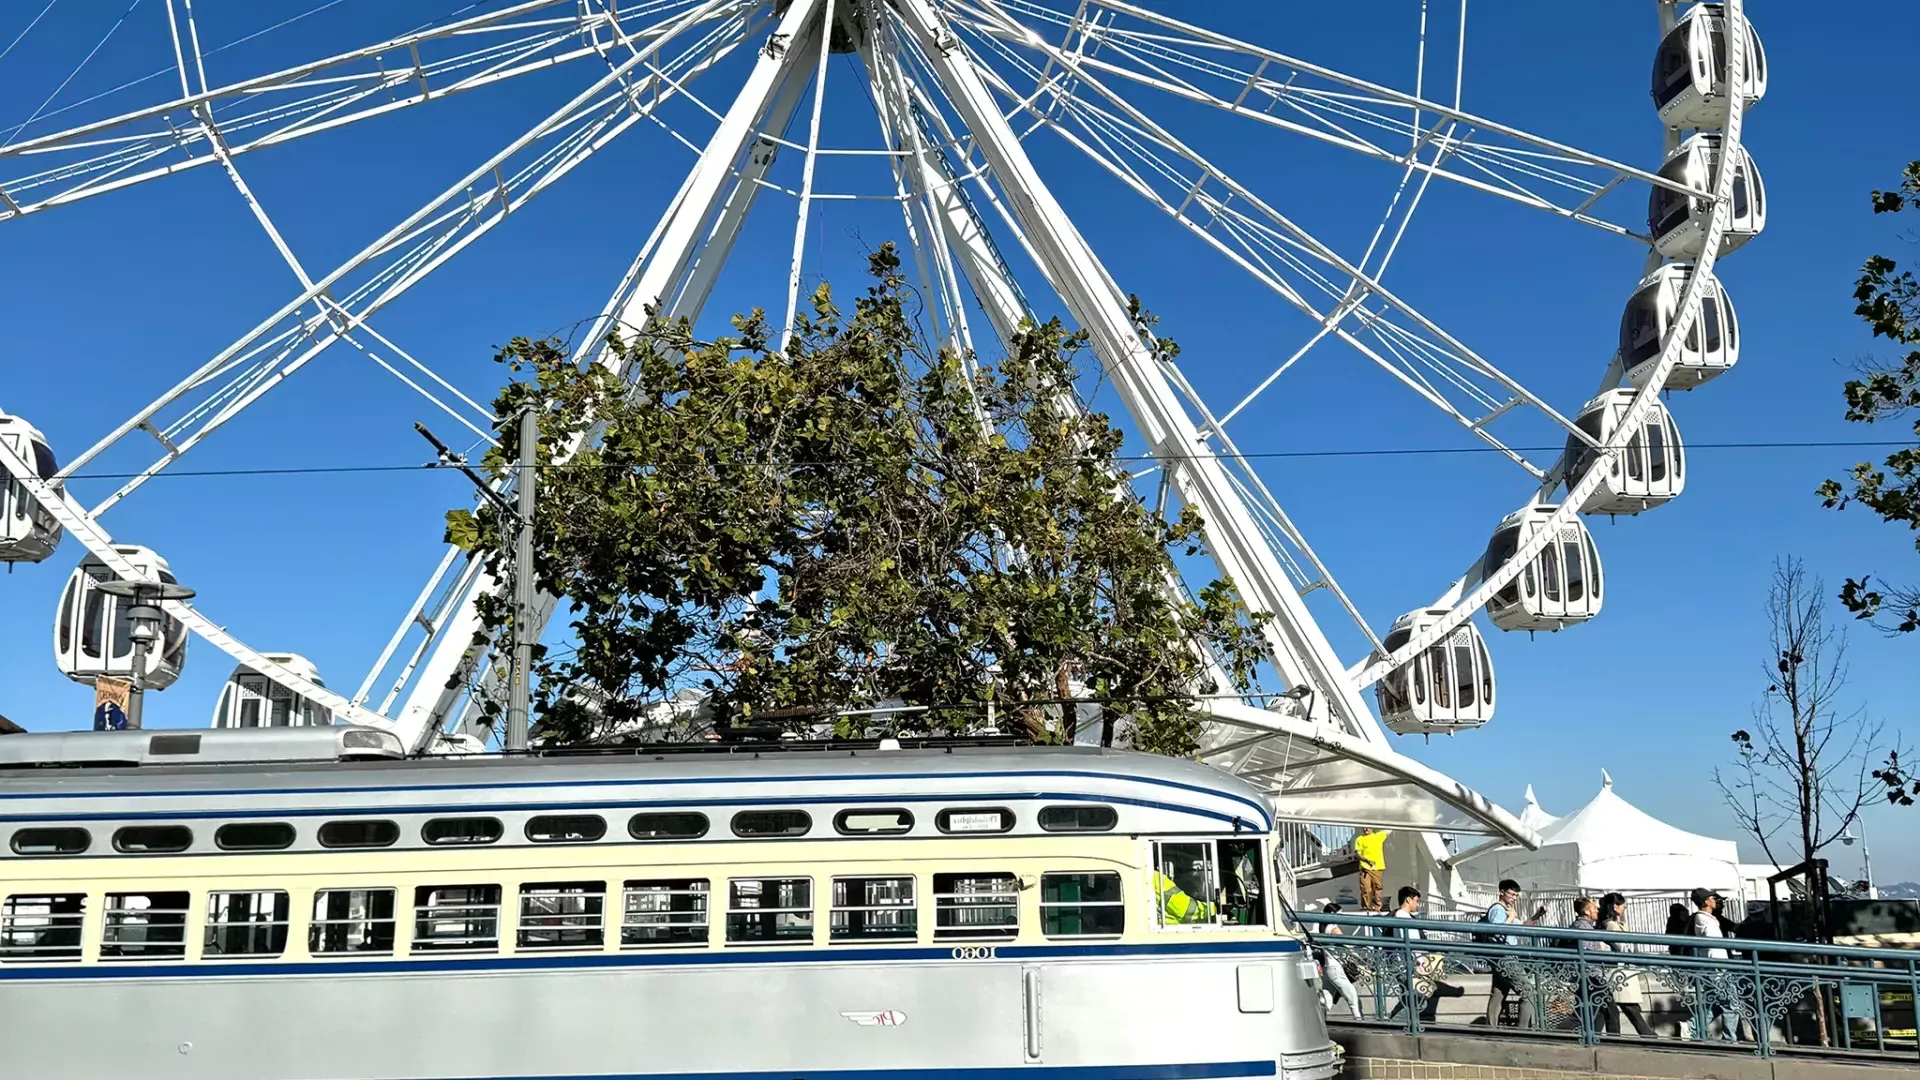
(1485, 937)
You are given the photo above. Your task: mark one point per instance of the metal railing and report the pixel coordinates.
(1765, 997)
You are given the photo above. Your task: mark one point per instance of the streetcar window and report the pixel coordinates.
(683, 825)
(460, 831)
(254, 836)
(566, 828)
(41, 927)
(351, 921)
(456, 918)
(51, 841)
(975, 907)
(152, 839)
(770, 911)
(1078, 818)
(1184, 883)
(145, 926)
(994, 820)
(246, 924)
(872, 909)
(771, 823)
(372, 833)
(1243, 894)
(665, 913)
(563, 915)
(1081, 905)
(872, 822)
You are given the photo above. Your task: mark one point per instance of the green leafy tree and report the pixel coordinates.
(853, 520)
(1890, 303)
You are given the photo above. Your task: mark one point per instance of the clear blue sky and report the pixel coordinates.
(107, 302)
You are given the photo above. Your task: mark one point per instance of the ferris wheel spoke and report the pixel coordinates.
(426, 240)
(1289, 260)
(427, 65)
(1187, 61)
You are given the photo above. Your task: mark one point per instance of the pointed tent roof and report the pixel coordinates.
(1533, 817)
(1611, 827)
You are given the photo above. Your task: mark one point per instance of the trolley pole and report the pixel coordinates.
(518, 690)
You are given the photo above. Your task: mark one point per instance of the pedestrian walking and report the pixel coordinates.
(1506, 910)
(1334, 973)
(1408, 907)
(1586, 916)
(1629, 985)
(1706, 924)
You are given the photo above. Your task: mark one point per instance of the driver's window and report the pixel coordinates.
(1185, 886)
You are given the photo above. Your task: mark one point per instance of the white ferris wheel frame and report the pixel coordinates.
(944, 176)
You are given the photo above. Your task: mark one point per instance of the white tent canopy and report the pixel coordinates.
(1607, 845)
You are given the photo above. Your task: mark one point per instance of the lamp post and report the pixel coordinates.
(144, 618)
(1866, 856)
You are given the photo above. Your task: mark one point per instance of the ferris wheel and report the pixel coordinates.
(962, 95)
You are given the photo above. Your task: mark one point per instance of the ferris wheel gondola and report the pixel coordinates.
(93, 635)
(28, 531)
(1678, 222)
(1649, 470)
(1690, 84)
(1561, 587)
(1712, 344)
(1446, 688)
(251, 700)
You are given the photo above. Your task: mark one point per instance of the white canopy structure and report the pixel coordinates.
(1607, 845)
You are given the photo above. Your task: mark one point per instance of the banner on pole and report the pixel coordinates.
(110, 698)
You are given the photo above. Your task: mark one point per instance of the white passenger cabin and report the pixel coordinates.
(1712, 343)
(251, 700)
(28, 531)
(1649, 470)
(1690, 85)
(1678, 222)
(1560, 587)
(93, 637)
(1447, 687)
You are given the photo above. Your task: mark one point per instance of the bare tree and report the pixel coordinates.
(1805, 767)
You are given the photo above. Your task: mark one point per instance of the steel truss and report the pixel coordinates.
(958, 86)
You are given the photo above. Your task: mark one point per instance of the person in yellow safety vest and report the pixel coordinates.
(1177, 905)
(1371, 847)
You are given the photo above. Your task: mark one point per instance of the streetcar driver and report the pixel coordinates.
(1176, 906)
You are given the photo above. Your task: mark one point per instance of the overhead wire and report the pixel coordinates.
(329, 470)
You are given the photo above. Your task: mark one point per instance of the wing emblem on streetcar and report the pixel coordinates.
(883, 1018)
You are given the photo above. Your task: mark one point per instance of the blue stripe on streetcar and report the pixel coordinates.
(623, 804)
(1212, 1070)
(650, 782)
(170, 969)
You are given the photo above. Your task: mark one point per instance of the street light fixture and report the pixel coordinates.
(144, 618)
(1866, 856)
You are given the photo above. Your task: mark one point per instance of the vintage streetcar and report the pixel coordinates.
(305, 902)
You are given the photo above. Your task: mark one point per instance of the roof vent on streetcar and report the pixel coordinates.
(28, 531)
(1445, 688)
(1648, 471)
(250, 699)
(1560, 587)
(1677, 220)
(1690, 85)
(340, 742)
(1712, 343)
(92, 635)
